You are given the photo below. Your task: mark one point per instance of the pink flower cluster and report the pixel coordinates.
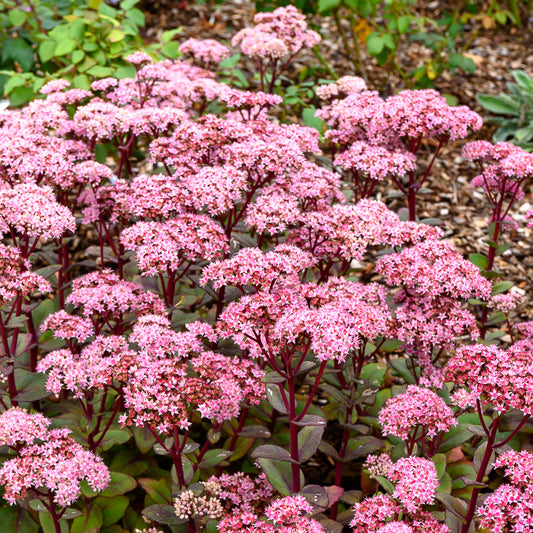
(502, 378)
(285, 515)
(416, 407)
(276, 35)
(205, 51)
(416, 483)
(163, 387)
(510, 507)
(47, 460)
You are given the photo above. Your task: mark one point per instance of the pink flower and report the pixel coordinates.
(205, 51)
(417, 406)
(57, 464)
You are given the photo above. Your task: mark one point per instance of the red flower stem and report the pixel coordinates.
(480, 475)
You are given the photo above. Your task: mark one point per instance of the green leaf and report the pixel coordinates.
(81, 81)
(439, 460)
(64, 47)
(502, 104)
(275, 399)
(76, 29)
(375, 44)
(114, 437)
(308, 116)
(403, 23)
(524, 81)
(120, 484)
(128, 4)
(144, 439)
(47, 523)
(20, 96)
(459, 60)
(481, 261)
(17, 17)
(230, 62)
(255, 432)
(115, 36)
(168, 35)
(327, 5)
(100, 72)
(163, 514)
(309, 438)
(170, 50)
(125, 72)
(113, 509)
(19, 51)
(93, 519)
(272, 451)
(279, 474)
(157, 489)
(77, 56)
(214, 457)
(15, 519)
(500, 287)
(136, 16)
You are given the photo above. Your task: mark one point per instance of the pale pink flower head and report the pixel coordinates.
(434, 268)
(518, 467)
(376, 162)
(244, 493)
(216, 188)
(54, 86)
(67, 326)
(417, 406)
(205, 51)
(395, 527)
(139, 58)
(371, 513)
(502, 378)
(508, 508)
(342, 87)
(415, 114)
(162, 246)
(250, 266)
(59, 464)
(18, 427)
(102, 295)
(506, 302)
(34, 211)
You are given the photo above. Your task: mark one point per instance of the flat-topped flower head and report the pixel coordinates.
(103, 295)
(19, 428)
(342, 87)
(241, 492)
(34, 211)
(417, 406)
(250, 266)
(101, 362)
(217, 188)
(58, 464)
(415, 114)
(162, 246)
(204, 51)
(156, 196)
(376, 162)
(139, 58)
(434, 268)
(67, 326)
(502, 378)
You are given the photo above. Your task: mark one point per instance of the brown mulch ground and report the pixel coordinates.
(496, 52)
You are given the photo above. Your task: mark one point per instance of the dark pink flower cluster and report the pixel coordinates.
(285, 515)
(416, 483)
(510, 507)
(416, 407)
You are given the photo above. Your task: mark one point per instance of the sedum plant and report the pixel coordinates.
(190, 326)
